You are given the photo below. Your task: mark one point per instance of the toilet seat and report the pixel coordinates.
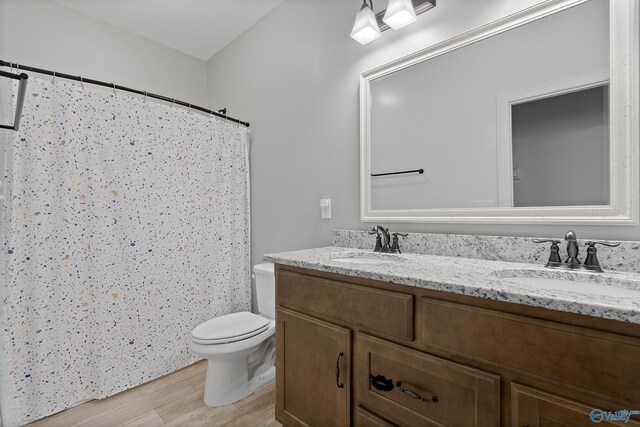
(229, 328)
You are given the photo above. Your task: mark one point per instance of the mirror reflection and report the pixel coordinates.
(561, 150)
(519, 119)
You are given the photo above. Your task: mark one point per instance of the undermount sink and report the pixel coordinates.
(369, 259)
(572, 285)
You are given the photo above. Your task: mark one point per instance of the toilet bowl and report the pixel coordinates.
(239, 347)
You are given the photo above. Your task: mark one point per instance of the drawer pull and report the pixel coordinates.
(338, 383)
(379, 382)
(412, 394)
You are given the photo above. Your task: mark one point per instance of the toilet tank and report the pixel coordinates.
(265, 288)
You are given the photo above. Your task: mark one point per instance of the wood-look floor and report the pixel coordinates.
(173, 400)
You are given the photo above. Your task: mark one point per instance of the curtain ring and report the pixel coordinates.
(81, 82)
(17, 68)
(53, 80)
(145, 96)
(114, 89)
(173, 102)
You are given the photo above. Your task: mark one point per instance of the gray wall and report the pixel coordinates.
(47, 35)
(295, 77)
(561, 146)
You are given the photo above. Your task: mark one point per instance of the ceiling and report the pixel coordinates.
(199, 28)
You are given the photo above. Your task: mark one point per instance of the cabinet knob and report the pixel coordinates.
(338, 383)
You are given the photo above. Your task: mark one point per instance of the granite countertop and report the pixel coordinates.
(484, 279)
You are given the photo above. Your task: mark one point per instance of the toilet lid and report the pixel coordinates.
(229, 328)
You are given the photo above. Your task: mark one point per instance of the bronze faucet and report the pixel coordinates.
(573, 262)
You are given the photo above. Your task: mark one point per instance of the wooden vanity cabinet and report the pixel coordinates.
(370, 353)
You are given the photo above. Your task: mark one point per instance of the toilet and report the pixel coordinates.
(239, 347)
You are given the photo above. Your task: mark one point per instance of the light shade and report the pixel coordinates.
(399, 13)
(365, 28)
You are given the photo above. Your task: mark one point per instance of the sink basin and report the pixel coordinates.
(575, 286)
(368, 259)
(352, 260)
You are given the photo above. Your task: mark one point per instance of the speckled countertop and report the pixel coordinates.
(484, 279)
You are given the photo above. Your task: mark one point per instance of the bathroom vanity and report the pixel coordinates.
(418, 340)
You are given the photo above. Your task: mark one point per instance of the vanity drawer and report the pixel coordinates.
(364, 418)
(536, 408)
(465, 396)
(390, 313)
(603, 362)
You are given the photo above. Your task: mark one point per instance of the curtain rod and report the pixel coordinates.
(122, 88)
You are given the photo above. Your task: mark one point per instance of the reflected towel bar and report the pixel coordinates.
(22, 77)
(398, 173)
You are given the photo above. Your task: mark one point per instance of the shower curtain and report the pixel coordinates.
(126, 224)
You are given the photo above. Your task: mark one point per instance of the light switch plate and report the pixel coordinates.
(325, 208)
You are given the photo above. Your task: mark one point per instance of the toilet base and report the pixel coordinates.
(227, 381)
(262, 380)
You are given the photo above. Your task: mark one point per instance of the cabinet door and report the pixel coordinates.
(535, 408)
(313, 380)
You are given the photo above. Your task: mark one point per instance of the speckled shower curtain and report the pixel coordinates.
(126, 224)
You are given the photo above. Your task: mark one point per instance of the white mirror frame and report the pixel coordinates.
(624, 129)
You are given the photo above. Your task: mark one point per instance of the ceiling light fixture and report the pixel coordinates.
(365, 28)
(399, 13)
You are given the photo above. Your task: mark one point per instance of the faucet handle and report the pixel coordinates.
(378, 247)
(395, 246)
(552, 241)
(593, 243)
(592, 263)
(554, 255)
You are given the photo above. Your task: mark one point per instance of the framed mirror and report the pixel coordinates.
(529, 119)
